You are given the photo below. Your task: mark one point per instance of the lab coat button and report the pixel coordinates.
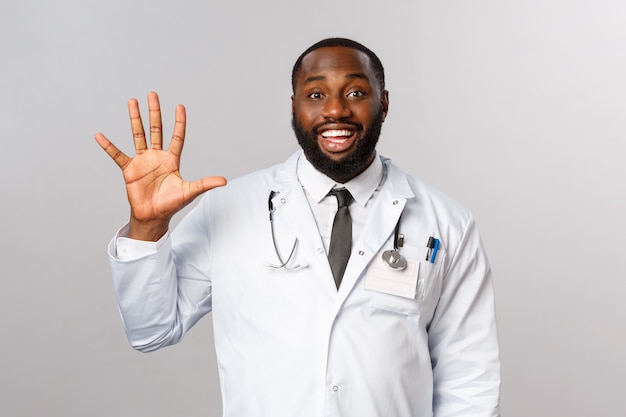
(282, 200)
(320, 250)
(361, 253)
(335, 388)
(395, 203)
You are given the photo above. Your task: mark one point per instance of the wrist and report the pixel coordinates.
(150, 231)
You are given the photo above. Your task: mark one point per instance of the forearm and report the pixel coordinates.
(159, 302)
(146, 294)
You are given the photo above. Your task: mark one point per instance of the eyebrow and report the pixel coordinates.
(353, 75)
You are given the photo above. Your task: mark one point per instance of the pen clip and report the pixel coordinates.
(430, 245)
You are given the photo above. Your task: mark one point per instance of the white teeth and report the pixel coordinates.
(333, 140)
(336, 133)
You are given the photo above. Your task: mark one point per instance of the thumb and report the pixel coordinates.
(205, 184)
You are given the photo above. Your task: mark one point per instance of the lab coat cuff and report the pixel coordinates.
(124, 248)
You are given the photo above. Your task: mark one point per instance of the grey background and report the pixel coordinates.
(516, 108)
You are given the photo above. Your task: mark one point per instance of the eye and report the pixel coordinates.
(356, 94)
(315, 96)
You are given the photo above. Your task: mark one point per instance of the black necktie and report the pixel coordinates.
(341, 236)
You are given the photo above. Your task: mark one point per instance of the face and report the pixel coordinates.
(338, 110)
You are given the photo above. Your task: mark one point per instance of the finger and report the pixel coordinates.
(136, 126)
(156, 129)
(208, 183)
(118, 156)
(178, 137)
(205, 184)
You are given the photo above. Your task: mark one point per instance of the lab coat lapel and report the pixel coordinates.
(293, 210)
(378, 228)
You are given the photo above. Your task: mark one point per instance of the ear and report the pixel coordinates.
(384, 103)
(293, 105)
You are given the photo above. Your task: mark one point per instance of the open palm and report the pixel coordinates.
(155, 188)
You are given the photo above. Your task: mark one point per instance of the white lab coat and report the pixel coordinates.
(288, 343)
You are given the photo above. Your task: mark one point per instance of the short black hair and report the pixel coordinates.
(377, 66)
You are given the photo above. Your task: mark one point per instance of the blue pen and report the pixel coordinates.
(435, 249)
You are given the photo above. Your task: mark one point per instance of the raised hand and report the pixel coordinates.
(155, 189)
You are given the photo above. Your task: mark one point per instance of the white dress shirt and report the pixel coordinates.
(324, 207)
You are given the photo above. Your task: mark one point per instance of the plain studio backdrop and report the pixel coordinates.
(515, 108)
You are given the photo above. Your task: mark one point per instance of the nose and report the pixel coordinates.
(336, 108)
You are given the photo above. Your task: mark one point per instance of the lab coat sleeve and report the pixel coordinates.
(462, 334)
(162, 294)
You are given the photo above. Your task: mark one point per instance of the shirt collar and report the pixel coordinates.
(361, 187)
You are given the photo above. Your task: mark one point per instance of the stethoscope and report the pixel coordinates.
(283, 264)
(392, 258)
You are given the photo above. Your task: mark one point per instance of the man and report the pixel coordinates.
(401, 324)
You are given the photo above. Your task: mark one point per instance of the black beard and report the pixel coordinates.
(350, 165)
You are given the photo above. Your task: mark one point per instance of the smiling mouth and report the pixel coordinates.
(337, 135)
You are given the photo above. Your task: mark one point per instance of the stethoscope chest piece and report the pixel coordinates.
(394, 260)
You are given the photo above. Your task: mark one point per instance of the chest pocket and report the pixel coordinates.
(427, 287)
